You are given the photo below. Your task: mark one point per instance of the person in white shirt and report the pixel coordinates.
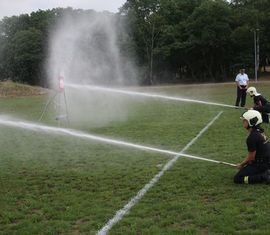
(242, 85)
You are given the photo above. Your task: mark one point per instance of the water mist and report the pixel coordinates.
(84, 49)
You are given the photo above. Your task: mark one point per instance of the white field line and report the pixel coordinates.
(151, 95)
(133, 201)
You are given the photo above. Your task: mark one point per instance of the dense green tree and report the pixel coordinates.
(200, 40)
(23, 46)
(25, 56)
(171, 52)
(209, 29)
(146, 22)
(172, 40)
(250, 17)
(186, 30)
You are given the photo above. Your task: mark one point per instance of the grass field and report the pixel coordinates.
(52, 184)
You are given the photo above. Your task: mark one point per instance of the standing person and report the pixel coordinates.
(260, 103)
(255, 168)
(242, 85)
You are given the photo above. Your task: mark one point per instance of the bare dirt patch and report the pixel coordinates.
(11, 89)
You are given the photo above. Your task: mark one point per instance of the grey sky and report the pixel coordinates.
(17, 7)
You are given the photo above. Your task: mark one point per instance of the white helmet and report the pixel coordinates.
(252, 91)
(253, 117)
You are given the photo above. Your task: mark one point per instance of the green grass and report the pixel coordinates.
(52, 184)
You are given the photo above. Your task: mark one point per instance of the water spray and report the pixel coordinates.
(150, 95)
(58, 98)
(79, 134)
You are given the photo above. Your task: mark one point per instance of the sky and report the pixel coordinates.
(17, 7)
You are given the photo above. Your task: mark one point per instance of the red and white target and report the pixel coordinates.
(61, 83)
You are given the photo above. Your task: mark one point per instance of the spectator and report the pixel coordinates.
(242, 85)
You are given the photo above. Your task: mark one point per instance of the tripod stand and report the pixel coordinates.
(60, 103)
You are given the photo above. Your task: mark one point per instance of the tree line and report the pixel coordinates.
(174, 41)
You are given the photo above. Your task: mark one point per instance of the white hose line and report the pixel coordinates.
(151, 95)
(79, 134)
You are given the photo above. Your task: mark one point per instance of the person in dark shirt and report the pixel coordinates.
(260, 103)
(255, 167)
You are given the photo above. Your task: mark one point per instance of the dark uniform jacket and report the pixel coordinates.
(259, 142)
(259, 98)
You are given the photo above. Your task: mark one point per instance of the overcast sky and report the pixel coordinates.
(17, 7)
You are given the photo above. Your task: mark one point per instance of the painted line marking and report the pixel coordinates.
(133, 201)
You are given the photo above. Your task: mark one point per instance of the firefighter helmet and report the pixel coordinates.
(253, 117)
(252, 91)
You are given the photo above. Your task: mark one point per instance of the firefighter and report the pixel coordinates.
(260, 103)
(256, 166)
